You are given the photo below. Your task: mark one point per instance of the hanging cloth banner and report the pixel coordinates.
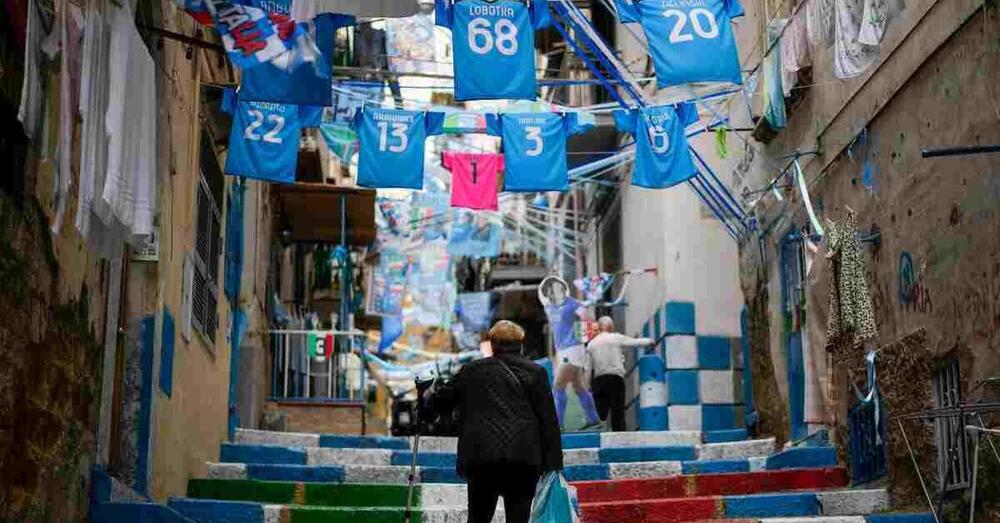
(801, 179)
(475, 234)
(250, 35)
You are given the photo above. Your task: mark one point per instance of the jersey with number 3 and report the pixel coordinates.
(494, 44)
(662, 155)
(534, 149)
(264, 140)
(392, 146)
(692, 40)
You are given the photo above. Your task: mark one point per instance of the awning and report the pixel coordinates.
(313, 213)
(307, 9)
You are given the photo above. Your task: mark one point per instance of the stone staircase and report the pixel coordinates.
(270, 477)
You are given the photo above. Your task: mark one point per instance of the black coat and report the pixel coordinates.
(502, 421)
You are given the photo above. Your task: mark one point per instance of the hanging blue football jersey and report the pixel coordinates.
(264, 140)
(392, 146)
(628, 11)
(692, 40)
(298, 82)
(662, 156)
(534, 148)
(494, 43)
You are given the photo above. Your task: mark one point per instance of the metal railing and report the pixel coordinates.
(304, 365)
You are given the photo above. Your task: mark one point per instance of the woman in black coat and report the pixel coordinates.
(509, 433)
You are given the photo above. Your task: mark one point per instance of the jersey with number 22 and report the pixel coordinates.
(494, 44)
(692, 40)
(264, 140)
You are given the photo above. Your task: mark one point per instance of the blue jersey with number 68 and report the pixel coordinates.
(534, 149)
(494, 44)
(692, 40)
(392, 146)
(264, 139)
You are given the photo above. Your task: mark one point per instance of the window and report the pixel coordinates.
(208, 243)
(953, 469)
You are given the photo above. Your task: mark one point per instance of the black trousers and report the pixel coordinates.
(609, 394)
(516, 483)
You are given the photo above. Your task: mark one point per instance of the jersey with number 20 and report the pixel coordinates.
(392, 146)
(494, 44)
(692, 40)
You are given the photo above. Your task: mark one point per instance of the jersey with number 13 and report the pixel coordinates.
(691, 40)
(392, 146)
(494, 45)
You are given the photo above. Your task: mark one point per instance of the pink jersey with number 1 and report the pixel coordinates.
(473, 179)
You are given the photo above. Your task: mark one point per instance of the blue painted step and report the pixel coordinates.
(135, 513)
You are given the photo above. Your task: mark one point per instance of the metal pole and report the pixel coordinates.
(308, 379)
(284, 343)
(975, 473)
(959, 151)
(916, 467)
(329, 365)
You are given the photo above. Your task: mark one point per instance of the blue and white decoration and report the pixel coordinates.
(691, 381)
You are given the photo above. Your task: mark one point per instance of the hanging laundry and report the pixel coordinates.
(851, 57)
(535, 148)
(774, 96)
(820, 21)
(494, 46)
(341, 139)
(68, 19)
(722, 142)
(876, 17)
(251, 35)
(392, 146)
(692, 42)
(308, 9)
(851, 316)
(663, 158)
(129, 194)
(29, 113)
(351, 96)
(794, 52)
(299, 81)
(409, 42)
(369, 48)
(473, 179)
(628, 11)
(264, 139)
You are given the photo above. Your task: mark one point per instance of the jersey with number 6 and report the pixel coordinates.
(534, 148)
(494, 44)
(264, 140)
(392, 146)
(662, 155)
(692, 40)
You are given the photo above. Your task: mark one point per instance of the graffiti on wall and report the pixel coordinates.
(913, 293)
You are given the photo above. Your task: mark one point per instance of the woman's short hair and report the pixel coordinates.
(506, 332)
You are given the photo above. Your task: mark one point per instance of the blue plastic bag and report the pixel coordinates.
(555, 501)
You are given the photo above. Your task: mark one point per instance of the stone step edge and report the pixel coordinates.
(570, 440)
(443, 494)
(831, 504)
(256, 453)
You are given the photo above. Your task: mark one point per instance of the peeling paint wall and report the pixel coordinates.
(937, 267)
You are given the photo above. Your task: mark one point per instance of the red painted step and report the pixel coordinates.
(710, 485)
(654, 511)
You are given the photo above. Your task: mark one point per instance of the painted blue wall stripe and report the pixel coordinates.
(724, 436)
(581, 440)
(714, 352)
(636, 454)
(715, 466)
(331, 474)
(803, 457)
(231, 453)
(167, 338)
(424, 459)
(718, 417)
(586, 472)
(772, 505)
(910, 517)
(679, 317)
(439, 475)
(210, 511)
(146, 341)
(363, 442)
(682, 386)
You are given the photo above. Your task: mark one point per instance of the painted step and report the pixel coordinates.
(916, 517)
(754, 506)
(575, 440)
(291, 455)
(214, 511)
(143, 512)
(454, 495)
(712, 484)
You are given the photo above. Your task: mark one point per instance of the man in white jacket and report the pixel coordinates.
(608, 361)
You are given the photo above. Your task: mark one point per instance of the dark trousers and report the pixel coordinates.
(609, 394)
(516, 483)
